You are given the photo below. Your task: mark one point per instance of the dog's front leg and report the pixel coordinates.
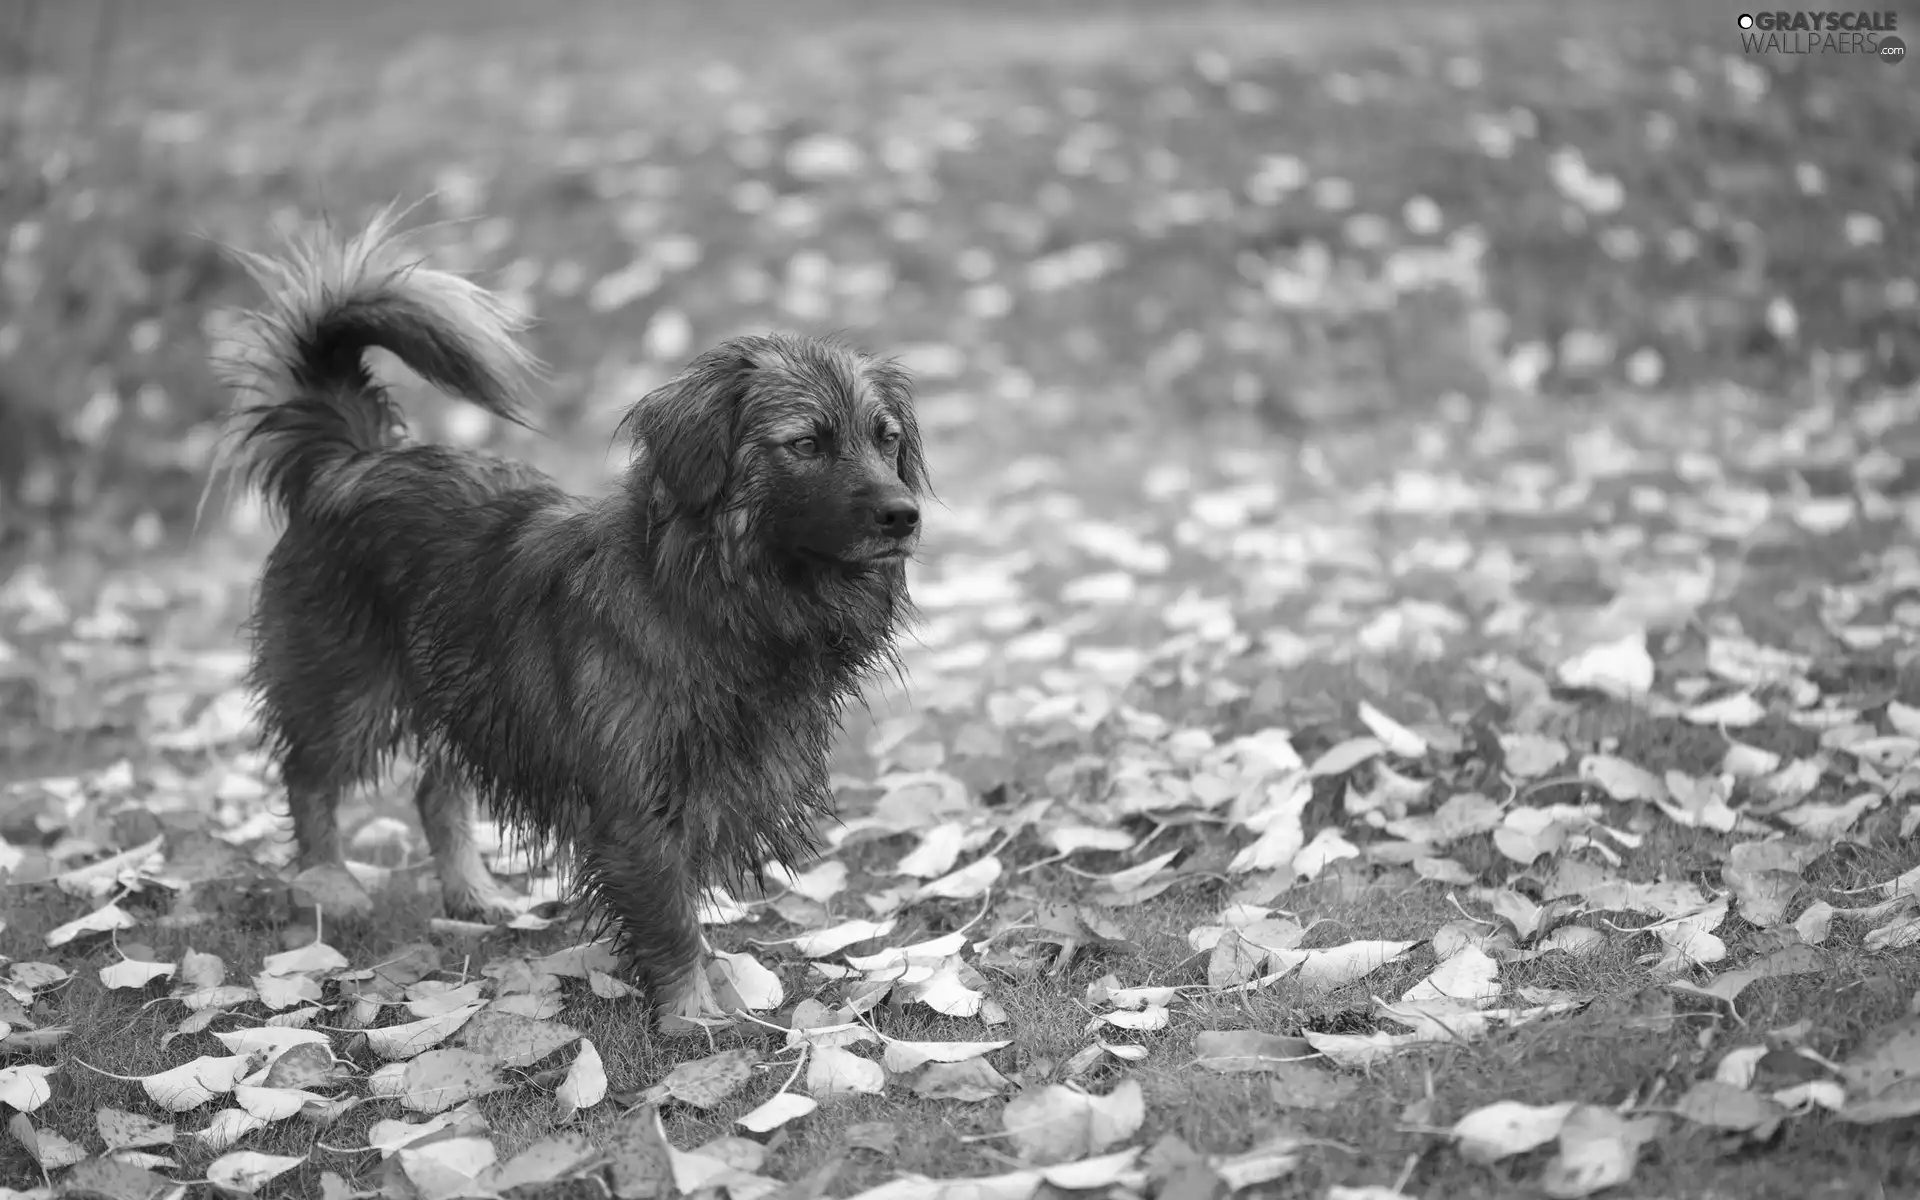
(637, 868)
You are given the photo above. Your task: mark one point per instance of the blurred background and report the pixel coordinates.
(1092, 227)
(1253, 340)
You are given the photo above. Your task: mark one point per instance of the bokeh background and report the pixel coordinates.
(1090, 226)
(1273, 357)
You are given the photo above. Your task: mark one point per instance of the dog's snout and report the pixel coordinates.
(897, 517)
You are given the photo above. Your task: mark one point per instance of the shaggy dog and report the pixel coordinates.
(650, 681)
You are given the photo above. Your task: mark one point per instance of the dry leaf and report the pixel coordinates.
(513, 1041)
(246, 1171)
(705, 1082)
(585, 1084)
(777, 1111)
(439, 1079)
(973, 1081)
(1598, 1149)
(1055, 1124)
(394, 1042)
(832, 1071)
(1508, 1127)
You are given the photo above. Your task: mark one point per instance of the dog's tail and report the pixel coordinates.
(300, 357)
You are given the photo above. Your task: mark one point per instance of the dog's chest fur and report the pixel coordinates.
(572, 683)
(739, 769)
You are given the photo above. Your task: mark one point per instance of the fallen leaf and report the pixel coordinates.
(1337, 966)
(226, 1127)
(1264, 1163)
(705, 1082)
(900, 1057)
(1598, 1149)
(512, 1041)
(1531, 755)
(1359, 1051)
(1470, 974)
(134, 973)
(1726, 987)
(312, 958)
(439, 1079)
(973, 1081)
(1395, 737)
(1242, 1050)
(1621, 668)
(24, 1087)
(1621, 779)
(192, 1084)
(105, 919)
(966, 883)
(1345, 756)
(1055, 1124)
(51, 1151)
(1712, 1103)
(585, 1084)
(447, 1167)
(823, 942)
(246, 1171)
(1305, 1086)
(938, 850)
(558, 1157)
(403, 1041)
(1508, 1127)
(779, 1110)
(1737, 711)
(122, 1130)
(114, 1178)
(832, 1071)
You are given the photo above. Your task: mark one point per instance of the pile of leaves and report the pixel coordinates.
(1080, 883)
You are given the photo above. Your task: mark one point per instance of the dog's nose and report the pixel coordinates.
(897, 518)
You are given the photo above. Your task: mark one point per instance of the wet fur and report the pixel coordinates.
(650, 681)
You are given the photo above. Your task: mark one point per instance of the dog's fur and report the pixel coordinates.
(651, 681)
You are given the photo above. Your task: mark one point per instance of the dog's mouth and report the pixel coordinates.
(875, 558)
(860, 556)
(874, 550)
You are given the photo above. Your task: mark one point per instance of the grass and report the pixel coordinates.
(1607, 1054)
(1330, 419)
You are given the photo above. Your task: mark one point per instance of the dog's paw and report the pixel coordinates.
(489, 902)
(689, 1002)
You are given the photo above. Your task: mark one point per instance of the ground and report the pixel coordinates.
(1417, 620)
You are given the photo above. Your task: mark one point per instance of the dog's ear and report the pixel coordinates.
(687, 425)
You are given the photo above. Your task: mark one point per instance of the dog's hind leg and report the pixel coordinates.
(328, 714)
(313, 803)
(446, 813)
(325, 751)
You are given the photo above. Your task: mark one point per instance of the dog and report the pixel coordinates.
(649, 682)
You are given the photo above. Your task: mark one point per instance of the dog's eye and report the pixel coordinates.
(805, 447)
(889, 439)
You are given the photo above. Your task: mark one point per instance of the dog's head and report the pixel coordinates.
(794, 447)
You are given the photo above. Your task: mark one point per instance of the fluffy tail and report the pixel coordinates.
(301, 355)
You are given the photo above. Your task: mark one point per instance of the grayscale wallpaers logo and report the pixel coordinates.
(1868, 34)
